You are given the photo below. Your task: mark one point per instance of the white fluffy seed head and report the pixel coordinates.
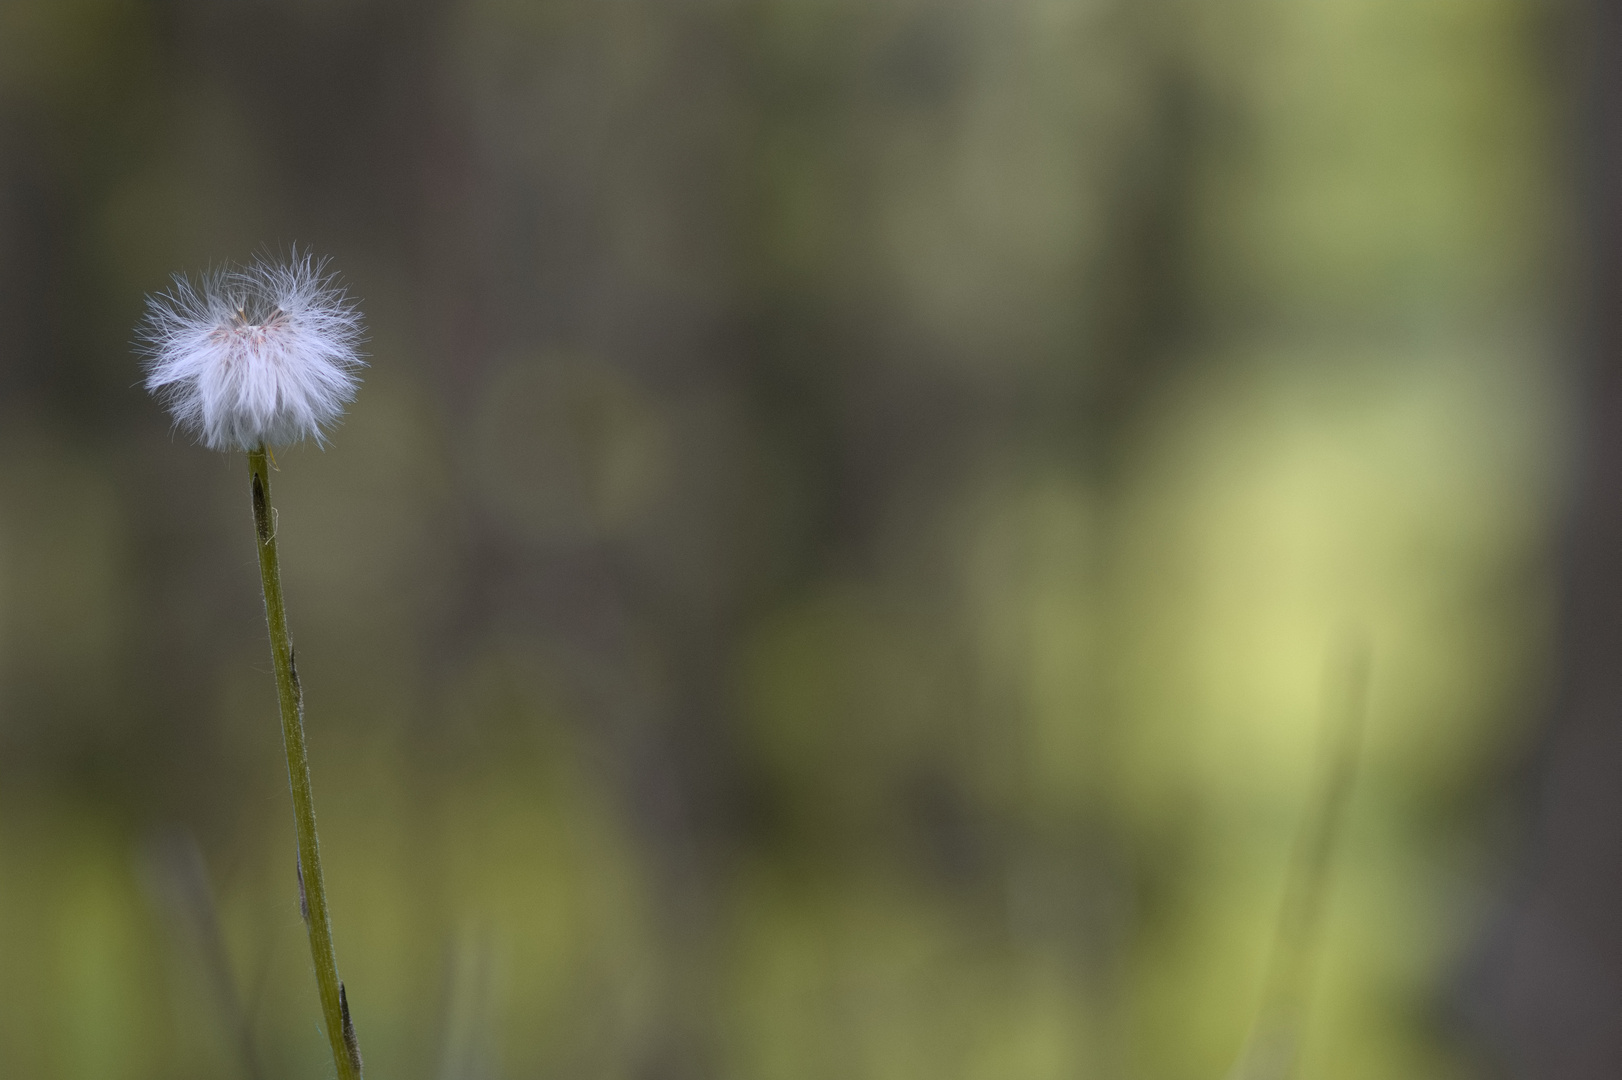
(258, 355)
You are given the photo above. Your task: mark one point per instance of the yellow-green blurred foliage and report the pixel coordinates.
(832, 571)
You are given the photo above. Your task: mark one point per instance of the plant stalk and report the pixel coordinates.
(312, 892)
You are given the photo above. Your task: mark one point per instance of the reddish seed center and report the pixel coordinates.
(243, 333)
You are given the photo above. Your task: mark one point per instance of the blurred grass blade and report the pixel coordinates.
(1274, 1045)
(174, 866)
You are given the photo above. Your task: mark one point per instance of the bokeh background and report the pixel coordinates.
(837, 567)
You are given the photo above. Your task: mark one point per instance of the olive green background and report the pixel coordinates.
(833, 568)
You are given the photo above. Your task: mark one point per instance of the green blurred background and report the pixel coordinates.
(833, 569)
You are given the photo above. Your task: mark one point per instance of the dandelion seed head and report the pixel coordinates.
(262, 354)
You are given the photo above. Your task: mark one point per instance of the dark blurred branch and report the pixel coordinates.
(1547, 992)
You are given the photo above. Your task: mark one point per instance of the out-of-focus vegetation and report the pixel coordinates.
(832, 570)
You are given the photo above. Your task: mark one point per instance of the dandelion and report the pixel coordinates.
(249, 358)
(259, 355)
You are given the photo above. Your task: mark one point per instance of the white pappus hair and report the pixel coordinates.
(259, 355)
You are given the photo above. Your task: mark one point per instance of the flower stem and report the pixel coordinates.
(312, 893)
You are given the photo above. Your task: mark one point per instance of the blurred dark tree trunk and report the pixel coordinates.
(1549, 993)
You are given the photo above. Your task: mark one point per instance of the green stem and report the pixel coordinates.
(313, 894)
